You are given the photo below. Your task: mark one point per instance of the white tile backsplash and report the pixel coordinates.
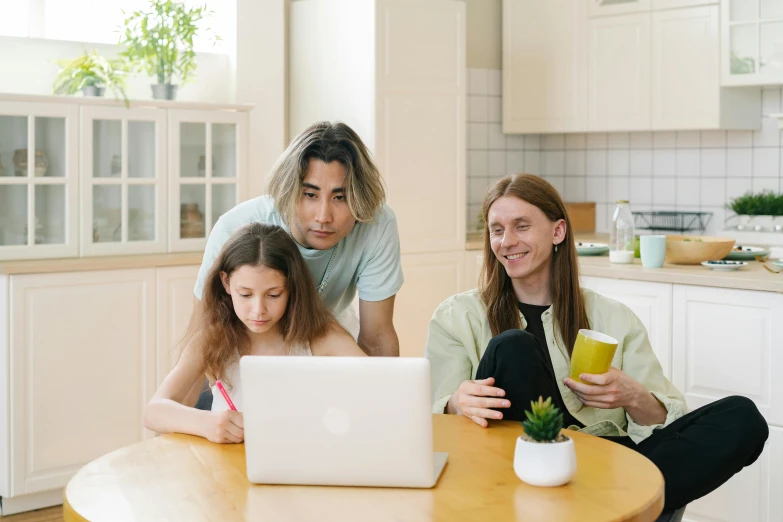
(575, 163)
(575, 141)
(765, 162)
(739, 139)
(575, 189)
(664, 191)
(496, 138)
(554, 163)
(515, 161)
(713, 192)
(478, 109)
(497, 163)
(682, 170)
(478, 81)
(641, 191)
(664, 163)
(596, 140)
(688, 191)
(762, 184)
(641, 140)
(494, 82)
(618, 163)
(494, 109)
(739, 163)
(713, 163)
(641, 163)
(688, 139)
(619, 140)
(596, 163)
(664, 140)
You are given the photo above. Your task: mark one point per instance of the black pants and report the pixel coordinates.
(696, 453)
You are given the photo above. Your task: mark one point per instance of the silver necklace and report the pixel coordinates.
(328, 270)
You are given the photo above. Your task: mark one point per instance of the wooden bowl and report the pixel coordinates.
(692, 250)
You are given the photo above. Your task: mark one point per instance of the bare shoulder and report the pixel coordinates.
(337, 341)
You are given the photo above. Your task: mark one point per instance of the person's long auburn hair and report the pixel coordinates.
(219, 335)
(495, 286)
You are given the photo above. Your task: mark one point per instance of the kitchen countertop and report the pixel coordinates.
(751, 277)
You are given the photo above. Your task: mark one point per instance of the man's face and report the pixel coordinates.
(522, 237)
(322, 216)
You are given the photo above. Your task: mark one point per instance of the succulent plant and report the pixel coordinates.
(544, 421)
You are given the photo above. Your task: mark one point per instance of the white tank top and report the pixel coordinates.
(235, 389)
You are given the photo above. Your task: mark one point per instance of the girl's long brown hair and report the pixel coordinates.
(219, 335)
(496, 290)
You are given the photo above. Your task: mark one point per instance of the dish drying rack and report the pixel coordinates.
(671, 221)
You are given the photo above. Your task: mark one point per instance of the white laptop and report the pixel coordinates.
(339, 421)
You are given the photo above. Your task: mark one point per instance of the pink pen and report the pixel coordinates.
(225, 395)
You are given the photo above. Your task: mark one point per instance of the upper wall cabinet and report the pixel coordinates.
(686, 91)
(752, 37)
(648, 65)
(544, 66)
(619, 97)
(91, 177)
(399, 82)
(39, 165)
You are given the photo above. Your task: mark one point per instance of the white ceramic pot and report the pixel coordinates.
(545, 464)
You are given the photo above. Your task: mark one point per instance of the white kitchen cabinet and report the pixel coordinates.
(39, 165)
(174, 300)
(400, 84)
(207, 156)
(544, 66)
(752, 42)
(619, 96)
(686, 87)
(752, 495)
(651, 302)
(728, 342)
(123, 182)
(429, 280)
(81, 368)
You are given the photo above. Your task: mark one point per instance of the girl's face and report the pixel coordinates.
(259, 294)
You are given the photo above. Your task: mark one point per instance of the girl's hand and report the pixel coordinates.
(226, 427)
(613, 389)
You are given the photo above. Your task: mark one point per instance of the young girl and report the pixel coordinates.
(259, 299)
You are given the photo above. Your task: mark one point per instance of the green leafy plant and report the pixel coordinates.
(91, 70)
(765, 203)
(544, 421)
(159, 41)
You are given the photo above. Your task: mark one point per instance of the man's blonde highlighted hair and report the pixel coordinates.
(328, 142)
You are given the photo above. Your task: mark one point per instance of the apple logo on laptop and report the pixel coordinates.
(337, 421)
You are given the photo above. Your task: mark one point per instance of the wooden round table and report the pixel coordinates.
(179, 477)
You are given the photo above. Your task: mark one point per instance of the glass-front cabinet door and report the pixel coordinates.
(752, 42)
(207, 172)
(38, 180)
(123, 181)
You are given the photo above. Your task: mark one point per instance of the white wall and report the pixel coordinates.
(29, 66)
(483, 34)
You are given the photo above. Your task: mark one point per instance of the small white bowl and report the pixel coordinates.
(724, 266)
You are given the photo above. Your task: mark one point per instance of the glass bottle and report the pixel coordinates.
(621, 234)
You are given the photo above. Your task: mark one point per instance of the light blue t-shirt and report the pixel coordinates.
(367, 259)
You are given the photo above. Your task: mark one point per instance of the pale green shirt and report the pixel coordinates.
(459, 333)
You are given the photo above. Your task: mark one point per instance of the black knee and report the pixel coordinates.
(748, 419)
(512, 344)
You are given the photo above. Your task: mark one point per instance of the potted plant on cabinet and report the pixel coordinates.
(543, 456)
(760, 212)
(160, 42)
(91, 74)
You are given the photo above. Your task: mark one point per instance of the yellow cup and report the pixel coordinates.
(593, 353)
